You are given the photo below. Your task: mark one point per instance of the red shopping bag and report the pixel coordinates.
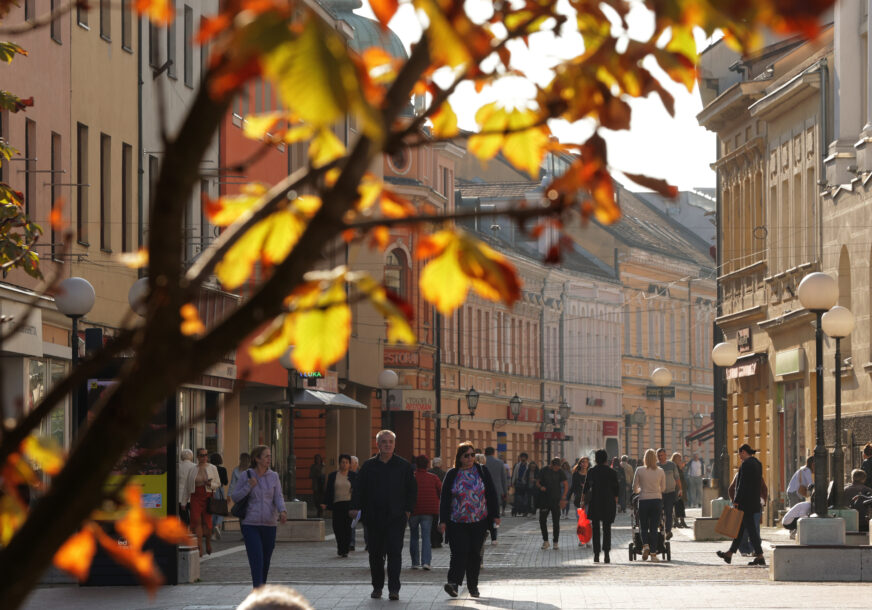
(584, 530)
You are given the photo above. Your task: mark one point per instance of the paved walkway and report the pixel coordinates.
(517, 574)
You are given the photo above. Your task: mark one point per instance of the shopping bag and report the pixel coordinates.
(584, 530)
(729, 522)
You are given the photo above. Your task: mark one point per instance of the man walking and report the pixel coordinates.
(498, 473)
(628, 478)
(553, 486)
(748, 487)
(385, 493)
(673, 488)
(521, 483)
(797, 488)
(694, 481)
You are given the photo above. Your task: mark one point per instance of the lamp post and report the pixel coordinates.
(75, 299)
(564, 410)
(662, 377)
(514, 409)
(818, 292)
(724, 355)
(471, 405)
(287, 361)
(838, 323)
(387, 380)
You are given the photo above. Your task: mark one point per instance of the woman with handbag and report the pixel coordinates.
(337, 499)
(576, 486)
(261, 491)
(467, 504)
(200, 484)
(601, 497)
(650, 483)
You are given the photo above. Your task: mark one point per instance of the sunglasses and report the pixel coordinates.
(468, 455)
(202, 455)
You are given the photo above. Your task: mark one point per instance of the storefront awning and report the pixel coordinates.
(702, 434)
(745, 366)
(316, 399)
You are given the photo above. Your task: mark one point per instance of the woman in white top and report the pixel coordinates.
(650, 483)
(199, 485)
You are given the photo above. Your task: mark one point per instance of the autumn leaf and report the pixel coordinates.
(396, 312)
(160, 12)
(258, 126)
(172, 530)
(8, 50)
(47, 456)
(525, 147)
(492, 119)
(384, 10)
(395, 206)
(191, 322)
(446, 45)
(76, 554)
(133, 260)
(226, 210)
(445, 122)
(12, 516)
(325, 148)
(655, 184)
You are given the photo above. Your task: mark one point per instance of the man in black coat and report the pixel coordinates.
(747, 499)
(386, 492)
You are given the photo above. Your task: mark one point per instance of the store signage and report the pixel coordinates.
(554, 435)
(610, 428)
(743, 340)
(401, 358)
(652, 392)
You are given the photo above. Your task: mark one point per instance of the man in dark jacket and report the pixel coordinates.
(385, 493)
(747, 499)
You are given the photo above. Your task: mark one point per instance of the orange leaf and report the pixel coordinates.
(76, 553)
(159, 11)
(56, 218)
(191, 322)
(172, 530)
(655, 184)
(394, 206)
(384, 10)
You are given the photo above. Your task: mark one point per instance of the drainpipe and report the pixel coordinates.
(139, 186)
(825, 83)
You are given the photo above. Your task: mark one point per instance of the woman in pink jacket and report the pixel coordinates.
(266, 507)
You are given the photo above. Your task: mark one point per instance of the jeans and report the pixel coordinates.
(649, 522)
(260, 540)
(424, 555)
(607, 536)
(386, 540)
(555, 521)
(694, 491)
(466, 541)
(342, 526)
(745, 543)
(748, 525)
(668, 508)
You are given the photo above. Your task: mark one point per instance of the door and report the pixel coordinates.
(404, 427)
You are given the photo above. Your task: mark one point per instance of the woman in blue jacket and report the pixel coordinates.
(266, 507)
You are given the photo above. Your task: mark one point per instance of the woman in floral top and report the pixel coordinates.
(467, 505)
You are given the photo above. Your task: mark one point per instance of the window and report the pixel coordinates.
(105, 20)
(126, 26)
(82, 15)
(395, 272)
(126, 195)
(153, 45)
(56, 170)
(189, 46)
(55, 27)
(204, 223)
(29, 10)
(3, 136)
(204, 53)
(172, 71)
(42, 376)
(446, 182)
(105, 192)
(30, 167)
(82, 184)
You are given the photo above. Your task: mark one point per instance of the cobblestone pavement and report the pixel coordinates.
(516, 574)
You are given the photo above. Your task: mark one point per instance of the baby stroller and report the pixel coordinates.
(663, 547)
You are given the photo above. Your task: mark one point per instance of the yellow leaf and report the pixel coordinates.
(299, 133)
(325, 147)
(225, 211)
(191, 322)
(445, 122)
(683, 42)
(258, 126)
(369, 189)
(443, 282)
(12, 516)
(76, 553)
(526, 149)
(399, 329)
(446, 46)
(159, 11)
(133, 260)
(236, 266)
(273, 342)
(321, 334)
(492, 119)
(47, 456)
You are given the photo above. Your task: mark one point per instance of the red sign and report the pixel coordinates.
(556, 435)
(527, 414)
(400, 358)
(610, 428)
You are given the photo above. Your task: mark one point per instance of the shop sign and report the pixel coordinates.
(610, 428)
(743, 340)
(401, 358)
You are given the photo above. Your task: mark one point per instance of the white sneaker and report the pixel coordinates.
(555, 546)
(494, 543)
(426, 566)
(654, 558)
(414, 567)
(645, 552)
(545, 545)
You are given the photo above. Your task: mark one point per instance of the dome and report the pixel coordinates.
(367, 32)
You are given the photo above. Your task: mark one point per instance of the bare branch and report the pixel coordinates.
(41, 22)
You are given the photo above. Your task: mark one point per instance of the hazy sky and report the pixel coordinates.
(676, 149)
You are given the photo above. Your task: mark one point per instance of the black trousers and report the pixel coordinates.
(435, 535)
(466, 541)
(669, 508)
(753, 535)
(386, 541)
(607, 536)
(555, 521)
(342, 526)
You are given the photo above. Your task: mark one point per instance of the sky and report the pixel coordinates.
(657, 145)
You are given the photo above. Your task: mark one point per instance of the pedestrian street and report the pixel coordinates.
(516, 574)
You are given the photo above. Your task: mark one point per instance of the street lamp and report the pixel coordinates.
(514, 408)
(838, 323)
(137, 297)
(287, 361)
(818, 292)
(387, 380)
(74, 299)
(564, 410)
(662, 377)
(724, 355)
(471, 404)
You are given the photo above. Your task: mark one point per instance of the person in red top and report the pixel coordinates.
(426, 506)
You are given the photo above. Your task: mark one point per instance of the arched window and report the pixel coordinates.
(396, 272)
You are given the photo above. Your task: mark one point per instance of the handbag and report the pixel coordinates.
(729, 522)
(217, 506)
(240, 508)
(584, 530)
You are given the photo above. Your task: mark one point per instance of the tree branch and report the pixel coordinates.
(43, 21)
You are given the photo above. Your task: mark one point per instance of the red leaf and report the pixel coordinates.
(384, 10)
(655, 184)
